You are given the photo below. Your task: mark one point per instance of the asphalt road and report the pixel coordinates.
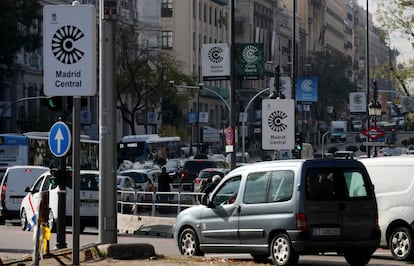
(15, 243)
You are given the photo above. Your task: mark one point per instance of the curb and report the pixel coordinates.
(146, 225)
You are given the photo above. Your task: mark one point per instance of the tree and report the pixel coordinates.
(143, 79)
(332, 70)
(396, 19)
(19, 30)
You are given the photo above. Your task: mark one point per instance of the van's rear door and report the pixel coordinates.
(339, 202)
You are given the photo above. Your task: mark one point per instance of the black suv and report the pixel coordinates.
(192, 167)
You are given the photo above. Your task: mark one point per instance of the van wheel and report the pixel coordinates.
(358, 257)
(51, 222)
(188, 243)
(2, 221)
(401, 244)
(23, 219)
(281, 251)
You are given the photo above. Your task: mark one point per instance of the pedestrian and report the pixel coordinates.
(214, 182)
(164, 181)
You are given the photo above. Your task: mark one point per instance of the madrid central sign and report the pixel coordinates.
(69, 50)
(278, 124)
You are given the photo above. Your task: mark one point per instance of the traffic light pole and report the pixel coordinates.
(61, 222)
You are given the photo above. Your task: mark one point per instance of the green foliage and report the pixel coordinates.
(18, 20)
(143, 79)
(396, 19)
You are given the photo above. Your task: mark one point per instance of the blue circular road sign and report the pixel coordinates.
(59, 139)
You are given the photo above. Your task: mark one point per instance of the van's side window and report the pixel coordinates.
(281, 186)
(227, 193)
(256, 187)
(262, 187)
(355, 184)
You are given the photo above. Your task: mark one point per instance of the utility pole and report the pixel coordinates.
(107, 129)
(232, 121)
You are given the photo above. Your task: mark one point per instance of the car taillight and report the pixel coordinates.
(198, 180)
(3, 193)
(301, 222)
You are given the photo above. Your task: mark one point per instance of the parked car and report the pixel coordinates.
(89, 199)
(206, 173)
(393, 178)
(192, 167)
(126, 189)
(145, 180)
(173, 167)
(15, 179)
(283, 209)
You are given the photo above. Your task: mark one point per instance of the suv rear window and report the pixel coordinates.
(331, 184)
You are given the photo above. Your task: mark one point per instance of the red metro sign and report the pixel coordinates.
(373, 133)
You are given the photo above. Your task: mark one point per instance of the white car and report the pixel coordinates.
(89, 200)
(126, 190)
(145, 179)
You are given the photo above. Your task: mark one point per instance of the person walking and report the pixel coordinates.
(164, 181)
(214, 182)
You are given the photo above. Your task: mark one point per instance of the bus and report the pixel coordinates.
(32, 148)
(149, 147)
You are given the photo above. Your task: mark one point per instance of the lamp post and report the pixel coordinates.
(200, 87)
(245, 118)
(374, 108)
(367, 70)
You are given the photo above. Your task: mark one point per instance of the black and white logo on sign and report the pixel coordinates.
(64, 44)
(357, 99)
(215, 54)
(276, 121)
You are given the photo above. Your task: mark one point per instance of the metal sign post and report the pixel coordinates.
(69, 51)
(59, 144)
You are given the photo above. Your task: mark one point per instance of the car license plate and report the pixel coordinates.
(332, 231)
(16, 201)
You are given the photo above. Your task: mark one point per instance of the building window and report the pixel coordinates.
(166, 40)
(210, 14)
(166, 8)
(205, 13)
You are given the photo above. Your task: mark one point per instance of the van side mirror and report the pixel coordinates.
(205, 200)
(27, 189)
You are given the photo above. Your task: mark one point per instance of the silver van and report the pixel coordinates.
(282, 209)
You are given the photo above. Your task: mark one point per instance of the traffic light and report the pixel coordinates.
(53, 103)
(298, 145)
(69, 102)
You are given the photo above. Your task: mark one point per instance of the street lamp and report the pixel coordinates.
(374, 108)
(199, 88)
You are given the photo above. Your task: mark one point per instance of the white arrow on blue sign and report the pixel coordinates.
(59, 139)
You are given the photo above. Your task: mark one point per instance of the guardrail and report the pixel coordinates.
(159, 202)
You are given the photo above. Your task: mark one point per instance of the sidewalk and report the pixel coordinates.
(103, 254)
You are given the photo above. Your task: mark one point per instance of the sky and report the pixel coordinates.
(401, 44)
